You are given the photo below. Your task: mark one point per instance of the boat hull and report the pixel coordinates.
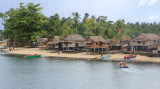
(130, 57)
(33, 56)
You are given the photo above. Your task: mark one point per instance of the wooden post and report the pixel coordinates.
(106, 50)
(98, 50)
(102, 50)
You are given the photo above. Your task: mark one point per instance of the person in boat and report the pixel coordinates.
(123, 65)
(126, 65)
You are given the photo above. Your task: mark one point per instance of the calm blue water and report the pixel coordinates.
(54, 73)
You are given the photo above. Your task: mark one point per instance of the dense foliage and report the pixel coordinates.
(26, 23)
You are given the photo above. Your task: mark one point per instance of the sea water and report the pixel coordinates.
(17, 72)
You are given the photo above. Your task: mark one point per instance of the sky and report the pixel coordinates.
(129, 10)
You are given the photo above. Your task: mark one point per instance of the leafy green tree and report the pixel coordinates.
(23, 22)
(120, 31)
(86, 15)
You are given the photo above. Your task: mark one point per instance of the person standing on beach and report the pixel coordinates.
(101, 55)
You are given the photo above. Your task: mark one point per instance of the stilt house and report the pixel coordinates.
(74, 42)
(54, 43)
(42, 41)
(120, 41)
(97, 44)
(145, 42)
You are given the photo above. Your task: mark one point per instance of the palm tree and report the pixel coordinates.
(76, 17)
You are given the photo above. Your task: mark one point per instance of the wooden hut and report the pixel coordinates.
(115, 45)
(42, 41)
(74, 42)
(97, 44)
(120, 41)
(54, 44)
(154, 48)
(145, 42)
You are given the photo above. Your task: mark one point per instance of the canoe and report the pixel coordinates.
(33, 56)
(107, 56)
(130, 56)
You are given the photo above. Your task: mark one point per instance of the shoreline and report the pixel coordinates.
(82, 55)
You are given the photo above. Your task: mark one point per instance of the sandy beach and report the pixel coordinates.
(84, 55)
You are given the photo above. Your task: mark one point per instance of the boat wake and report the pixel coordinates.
(140, 71)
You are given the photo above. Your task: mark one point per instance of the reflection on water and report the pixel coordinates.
(62, 73)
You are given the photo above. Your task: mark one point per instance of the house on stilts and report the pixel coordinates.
(73, 43)
(97, 44)
(120, 42)
(55, 43)
(145, 42)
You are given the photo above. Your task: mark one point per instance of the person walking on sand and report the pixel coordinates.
(101, 55)
(58, 52)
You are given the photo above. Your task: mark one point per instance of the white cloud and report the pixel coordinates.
(153, 17)
(151, 2)
(146, 2)
(142, 2)
(150, 18)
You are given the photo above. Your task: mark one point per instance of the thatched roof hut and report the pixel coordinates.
(147, 37)
(145, 42)
(96, 42)
(98, 39)
(42, 41)
(74, 41)
(72, 38)
(56, 40)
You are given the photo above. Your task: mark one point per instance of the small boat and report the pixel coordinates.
(107, 56)
(123, 65)
(127, 60)
(33, 56)
(130, 56)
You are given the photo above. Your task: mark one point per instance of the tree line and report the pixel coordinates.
(26, 23)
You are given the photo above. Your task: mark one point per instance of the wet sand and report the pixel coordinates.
(84, 55)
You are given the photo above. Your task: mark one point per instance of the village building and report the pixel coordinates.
(120, 43)
(155, 48)
(42, 41)
(146, 42)
(114, 45)
(97, 44)
(54, 44)
(73, 43)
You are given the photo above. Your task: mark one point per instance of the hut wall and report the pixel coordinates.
(91, 45)
(81, 44)
(105, 45)
(70, 44)
(142, 43)
(123, 42)
(96, 45)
